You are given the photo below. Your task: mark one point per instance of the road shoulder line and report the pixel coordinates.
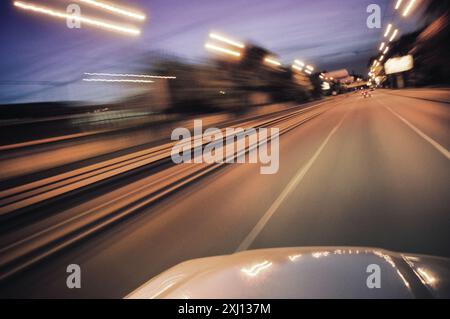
(435, 144)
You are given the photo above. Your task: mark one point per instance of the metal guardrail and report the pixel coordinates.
(37, 245)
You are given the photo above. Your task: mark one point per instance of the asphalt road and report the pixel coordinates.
(368, 172)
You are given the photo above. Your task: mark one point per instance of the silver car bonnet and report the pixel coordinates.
(315, 272)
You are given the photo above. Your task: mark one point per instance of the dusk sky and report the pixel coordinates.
(41, 59)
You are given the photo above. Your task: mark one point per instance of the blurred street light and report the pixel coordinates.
(118, 80)
(382, 46)
(408, 8)
(226, 46)
(393, 35)
(381, 58)
(301, 66)
(221, 38)
(222, 50)
(386, 50)
(326, 86)
(89, 21)
(296, 67)
(399, 3)
(388, 30)
(113, 8)
(272, 61)
(132, 75)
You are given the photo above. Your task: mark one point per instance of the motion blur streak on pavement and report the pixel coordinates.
(376, 183)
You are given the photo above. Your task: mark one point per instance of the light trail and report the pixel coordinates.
(112, 8)
(408, 8)
(88, 21)
(132, 75)
(393, 35)
(118, 80)
(388, 30)
(272, 61)
(223, 50)
(297, 68)
(226, 40)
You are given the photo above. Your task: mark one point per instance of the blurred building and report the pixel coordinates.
(429, 48)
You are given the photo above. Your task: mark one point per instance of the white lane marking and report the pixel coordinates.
(293, 183)
(436, 145)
